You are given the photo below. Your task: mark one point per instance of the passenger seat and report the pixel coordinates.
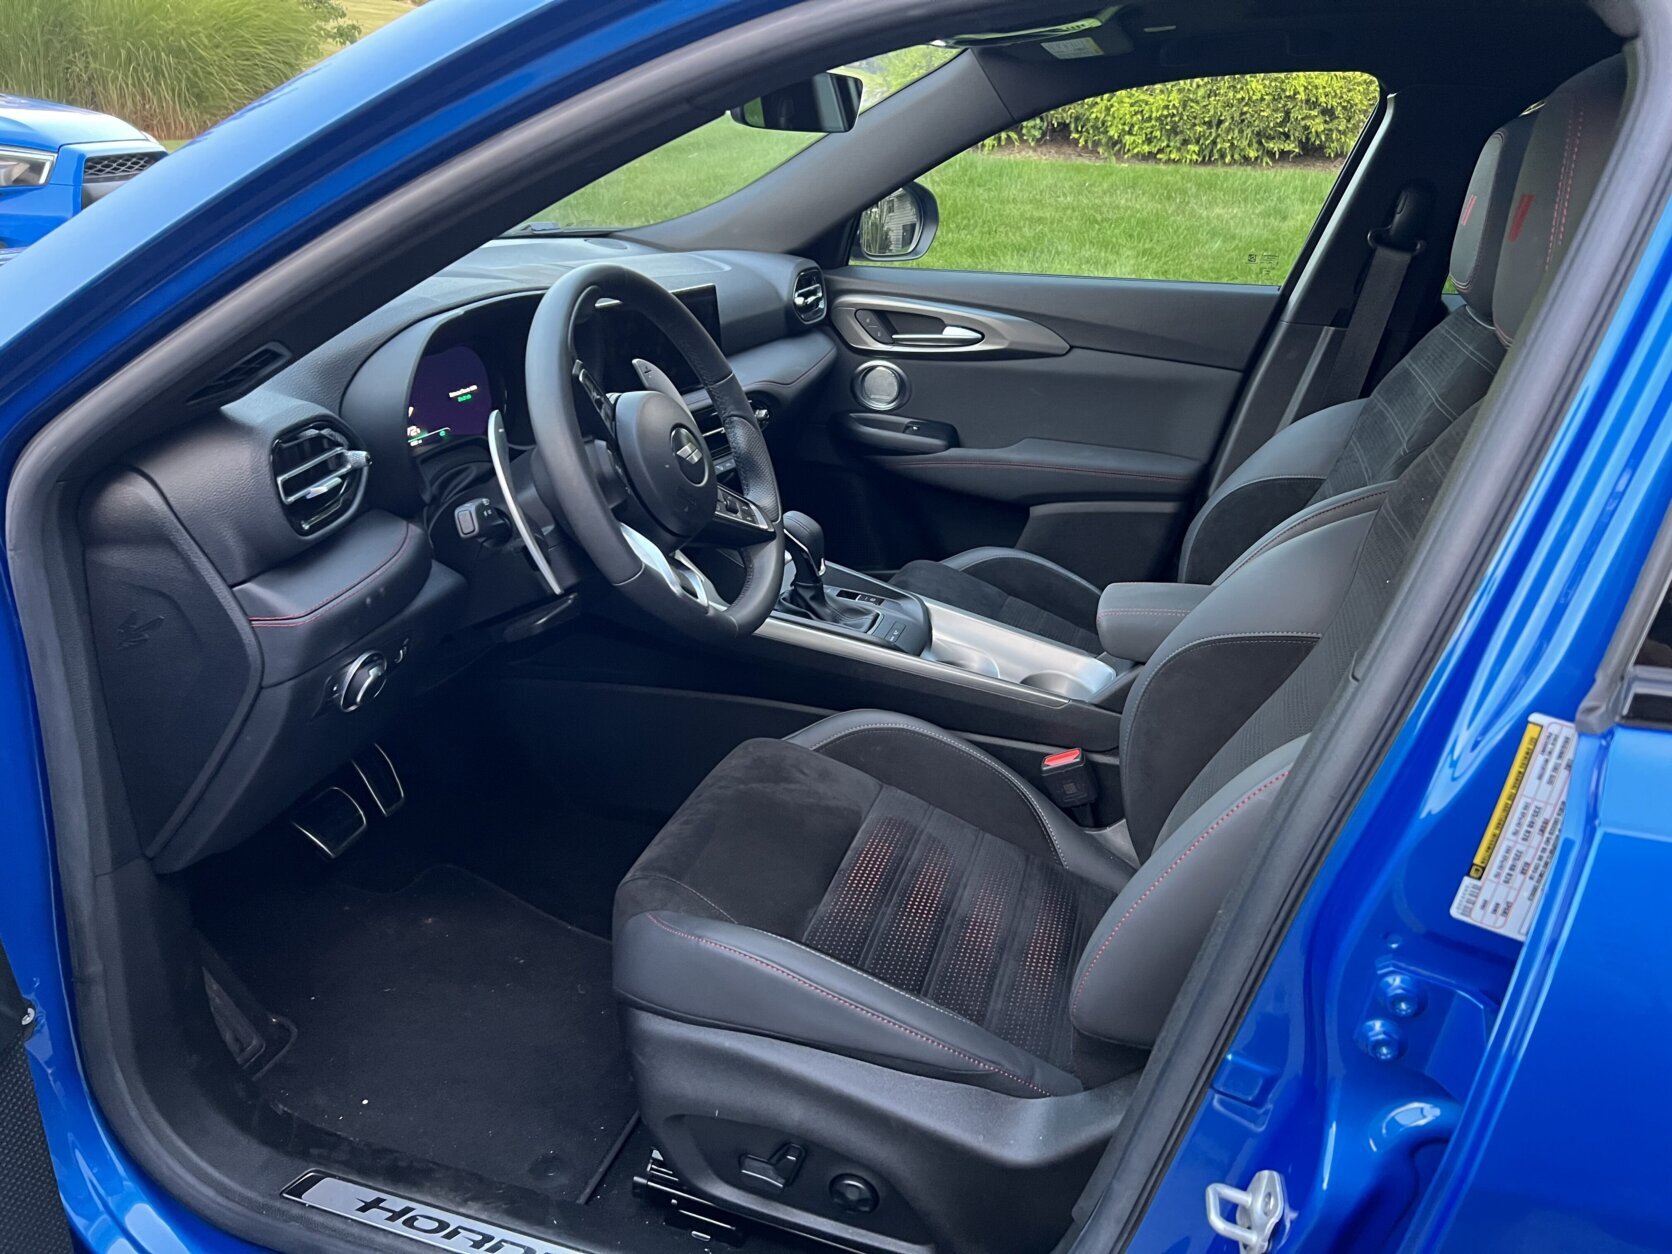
(1345, 448)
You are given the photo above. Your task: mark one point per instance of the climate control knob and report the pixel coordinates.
(362, 681)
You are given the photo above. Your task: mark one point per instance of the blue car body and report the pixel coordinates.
(92, 155)
(1293, 1094)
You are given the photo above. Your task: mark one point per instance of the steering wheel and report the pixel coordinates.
(632, 479)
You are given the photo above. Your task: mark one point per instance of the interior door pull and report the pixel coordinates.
(946, 337)
(876, 322)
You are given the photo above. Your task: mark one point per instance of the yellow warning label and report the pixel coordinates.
(1504, 884)
(1506, 800)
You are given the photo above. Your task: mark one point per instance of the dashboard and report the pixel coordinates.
(472, 364)
(335, 537)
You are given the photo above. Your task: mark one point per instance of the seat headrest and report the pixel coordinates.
(1573, 134)
(1480, 226)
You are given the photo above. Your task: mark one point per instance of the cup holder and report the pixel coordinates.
(964, 658)
(1057, 683)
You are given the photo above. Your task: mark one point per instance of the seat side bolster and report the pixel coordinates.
(1227, 657)
(711, 972)
(1276, 481)
(1141, 951)
(1134, 618)
(1366, 500)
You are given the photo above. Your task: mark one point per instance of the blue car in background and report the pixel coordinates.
(1201, 785)
(56, 159)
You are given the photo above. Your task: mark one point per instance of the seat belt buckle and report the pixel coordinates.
(1069, 780)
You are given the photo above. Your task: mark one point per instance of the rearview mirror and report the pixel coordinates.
(824, 103)
(900, 226)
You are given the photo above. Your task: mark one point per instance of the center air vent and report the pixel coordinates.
(808, 297)
(318, 476)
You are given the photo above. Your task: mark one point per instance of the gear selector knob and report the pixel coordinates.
(806, 541)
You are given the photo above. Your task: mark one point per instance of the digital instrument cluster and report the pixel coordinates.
(452, 397)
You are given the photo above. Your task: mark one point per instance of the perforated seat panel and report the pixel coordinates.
(933, 906)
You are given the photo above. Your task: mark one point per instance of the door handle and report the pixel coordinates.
(869, 322)
(946, 337)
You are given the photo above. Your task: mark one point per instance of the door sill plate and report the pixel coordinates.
(432, 1225)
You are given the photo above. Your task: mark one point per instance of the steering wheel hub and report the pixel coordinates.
(667, 463)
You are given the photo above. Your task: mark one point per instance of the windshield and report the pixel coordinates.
(719, 158)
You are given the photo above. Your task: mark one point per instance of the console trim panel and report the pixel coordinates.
(782, 629)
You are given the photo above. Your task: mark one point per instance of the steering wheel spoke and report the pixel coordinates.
(674, 569)
(603, 406)
(737, 521)
(611, 478)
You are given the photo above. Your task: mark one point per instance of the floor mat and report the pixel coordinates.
(448, 1020)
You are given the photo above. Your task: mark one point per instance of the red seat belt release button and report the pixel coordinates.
(1068, 778)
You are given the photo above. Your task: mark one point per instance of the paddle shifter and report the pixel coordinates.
(804, 539)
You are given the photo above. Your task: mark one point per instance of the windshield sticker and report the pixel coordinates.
(1505, 882)
(1072, 49)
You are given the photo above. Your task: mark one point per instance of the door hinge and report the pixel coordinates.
(1260, 1208)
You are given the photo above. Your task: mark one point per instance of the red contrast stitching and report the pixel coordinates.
(1190, 849)
(851, 1005)
(291, 620)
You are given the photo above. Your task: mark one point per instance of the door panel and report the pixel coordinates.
(1074, 417)
(1208, 324)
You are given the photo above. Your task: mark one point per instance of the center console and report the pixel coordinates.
(837, 611)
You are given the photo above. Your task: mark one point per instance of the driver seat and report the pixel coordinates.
(876, 985)
(877, 953)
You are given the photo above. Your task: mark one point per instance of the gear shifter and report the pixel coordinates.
(804, 539)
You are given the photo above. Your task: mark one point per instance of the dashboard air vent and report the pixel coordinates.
(808, 295)
(318, 475)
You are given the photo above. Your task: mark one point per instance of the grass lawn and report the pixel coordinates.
(1126, 220)
(1011, 211)
(688, 173)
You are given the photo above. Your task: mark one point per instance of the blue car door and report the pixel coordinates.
(1577, 1074)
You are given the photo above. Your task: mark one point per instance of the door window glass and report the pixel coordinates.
(1213, 179)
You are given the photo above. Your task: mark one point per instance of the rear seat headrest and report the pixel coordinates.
(1573, 134)
(1480, 226)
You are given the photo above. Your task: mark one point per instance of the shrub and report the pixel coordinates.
(171, 67)
(1238, 119)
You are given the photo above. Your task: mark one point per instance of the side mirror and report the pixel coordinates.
(900, 226)
(824, 103)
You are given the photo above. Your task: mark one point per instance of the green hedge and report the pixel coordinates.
(1235, 120)
(171, 67)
